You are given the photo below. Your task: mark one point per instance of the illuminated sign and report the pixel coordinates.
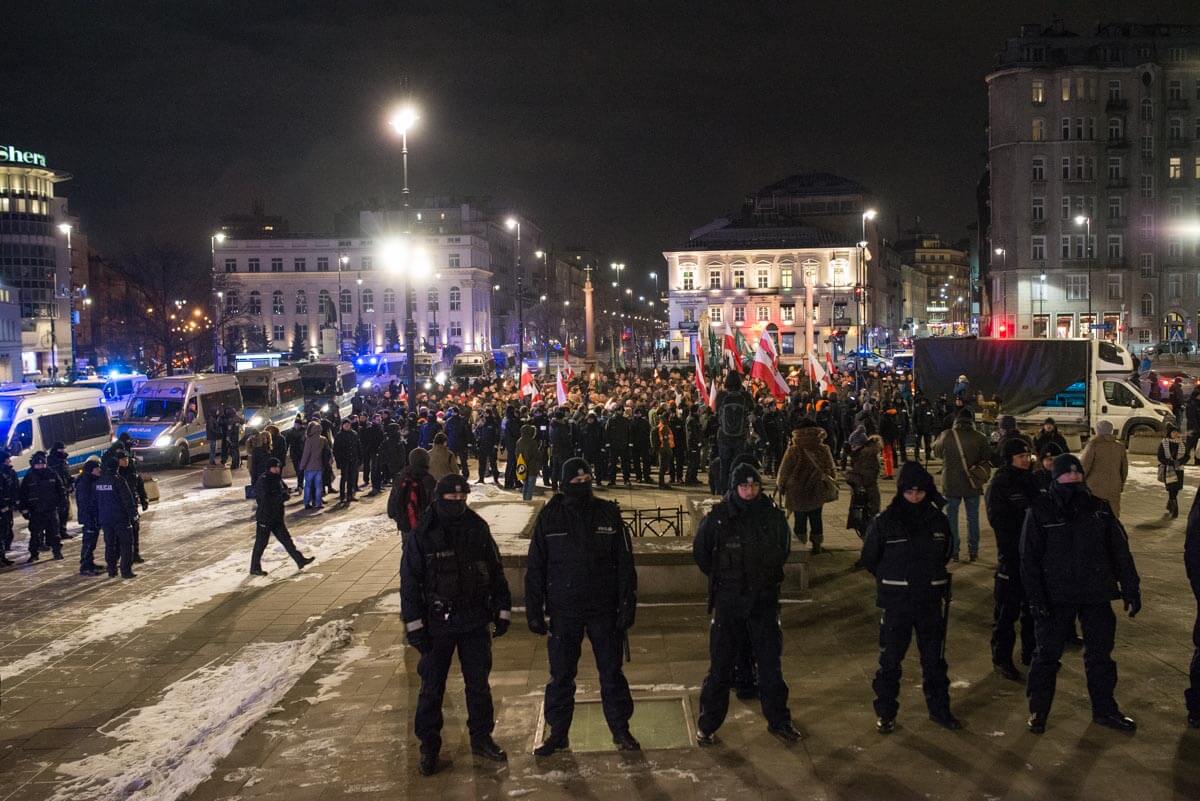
(10, 155)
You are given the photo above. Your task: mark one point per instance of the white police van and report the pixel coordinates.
(271, 396)
(118, 388)
(33, 419)
(328, 385)
(166, 416)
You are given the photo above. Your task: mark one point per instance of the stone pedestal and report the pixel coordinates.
(217, 476)
(151, 488)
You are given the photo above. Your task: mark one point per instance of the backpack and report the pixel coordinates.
(410, 503)
(733, 419)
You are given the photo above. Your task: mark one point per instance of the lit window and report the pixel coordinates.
(715, 314)
(368, 301)
(1038, 91)
(255, 304)
(785, 278)
(689, 315)
(277, 303)
(714, 279)
(788, 313)
(763, 278)
(739, 314)
(455, 299)
(301, 302)
(1077, 287)
(1175, 168)
(1039, 130)
(739, 279)
(762, 314)
(689, 280)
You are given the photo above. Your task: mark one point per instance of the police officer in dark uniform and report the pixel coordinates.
(58, 461)
(128, 471)
(452, 588)
(906, 549)
(580, 579)
(88, 512)
(117, 510)
(270, 494)
(42, 494)
(10, 497)
(1191, 562)
(1009, 495)
(742, 546)
(1075, 562)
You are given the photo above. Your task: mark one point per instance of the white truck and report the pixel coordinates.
(1078, 382)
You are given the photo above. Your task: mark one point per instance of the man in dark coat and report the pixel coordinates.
(742, 546)
(487, 438)
(371, 437)
(412, 491)
(1009, 495)
(270, 494)
(618, 437)
(459, 437)
(510, 432)
(88, 512)
(41, 496)
(117, 510)
(58, 461)
(347, 452)
(580, 576)
(295, 445)
(906, 549)
(562, 446)
(453, 595)
(127, 469)
(1075, 562)
(390, 459)
(10, 498)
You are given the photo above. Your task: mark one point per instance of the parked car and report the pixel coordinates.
(1166, 377)
(1180, 347)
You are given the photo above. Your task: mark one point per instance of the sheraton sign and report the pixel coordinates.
(12, 155)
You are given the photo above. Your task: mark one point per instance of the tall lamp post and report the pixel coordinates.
(869, 214)
(218, 351)
(65, 228)
(513, 224)
(1086, 221)
(1003, 254)
(400, 259)
(402, 119)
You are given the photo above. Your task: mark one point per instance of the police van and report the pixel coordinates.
(383, 368)
(118, 388)
(166, 416)
(271, 396)
(33, 419)
(328, 385)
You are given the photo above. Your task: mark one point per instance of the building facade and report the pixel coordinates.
(1094, 184)
(946, 274)
(35, 258)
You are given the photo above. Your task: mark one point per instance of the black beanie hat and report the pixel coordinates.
(575, 466)
(273, 462)
(1008, 422)
(451, 483)
(913, 476)
(1065, 463)
(38, 458)
(742, 473)
(1014, 446)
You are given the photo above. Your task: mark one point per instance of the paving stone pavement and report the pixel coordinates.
(343, 728)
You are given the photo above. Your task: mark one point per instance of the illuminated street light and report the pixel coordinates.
(401, 121)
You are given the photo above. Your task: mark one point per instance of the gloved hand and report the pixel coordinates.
(420, 640)
(1133, 605)
(537, 624)
(625, 616)
(502, 624)
(145, 505)
(1039, 610)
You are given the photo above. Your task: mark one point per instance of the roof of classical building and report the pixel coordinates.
(739, 236)
(813, 183)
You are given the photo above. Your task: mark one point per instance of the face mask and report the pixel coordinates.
(578, 492)
(451, 509)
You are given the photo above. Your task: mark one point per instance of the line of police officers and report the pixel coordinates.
(1062, 557)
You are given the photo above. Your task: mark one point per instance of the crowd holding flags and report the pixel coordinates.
(717, 351)
(766, 368)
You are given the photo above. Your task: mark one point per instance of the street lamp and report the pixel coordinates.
(1085, 220)
(1003, 254)
(399, 258)
(218, 351)
(513, 224)
(401, 121)
(65, 229)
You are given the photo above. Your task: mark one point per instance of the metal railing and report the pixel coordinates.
(657, 522)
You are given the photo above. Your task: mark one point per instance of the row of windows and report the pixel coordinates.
(1079, 246)
(1084, 129)
(1081, 88)
(325, 301)
(1073, 205)
(1083, 168)
(300, 264)
(762, 276)
(29, 184)
(280, 333)
(22, 205)
(762, 314)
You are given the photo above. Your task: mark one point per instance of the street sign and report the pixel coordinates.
(1176, 335)
(1101, 326)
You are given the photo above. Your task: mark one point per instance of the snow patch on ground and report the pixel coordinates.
(328, 684)
(959, 685)
(388, 604)
(202, 585)
(1144, 475)
(169, 748)
(676, 773)
(506, 518)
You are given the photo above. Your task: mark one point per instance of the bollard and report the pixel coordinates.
(217, 476)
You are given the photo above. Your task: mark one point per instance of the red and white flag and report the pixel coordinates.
(764, 368)
(701, 386)
(820, 377)
(712, 395)
(403, 397)
(560, 389)
(567, 371)
(730, 354)
(528, 386)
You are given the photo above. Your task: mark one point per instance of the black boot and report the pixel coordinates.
(1037, 723)
(1116, 721)
(429, 764)
(486, 747)
(885, 725)
(626, 742)
(555, 742)
(946, 720)
(785, 732)
(1008, 670)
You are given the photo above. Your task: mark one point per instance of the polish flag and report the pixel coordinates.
(528, 386)
(731, 355)
(567, 371)
(712, 395)
(820, 376)
(403, 398)
(560, 389)
(701, 386)
(764, 368)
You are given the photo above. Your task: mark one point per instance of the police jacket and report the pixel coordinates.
(906, 549)
(742, 548)
(57, 462)
(86, 507)
(1074, 551)
(487, 434)
(270, 493)
(41, 492)
(451, 578)
(580, 561)
(137, 484)
(347, 449)
(10, 488)
(114, 500)
(1009, 495)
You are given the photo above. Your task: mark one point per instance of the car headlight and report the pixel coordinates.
(256, 421)
(325, 407)
(163, 441)
(428, 385)
(440, 377)
(367, 384)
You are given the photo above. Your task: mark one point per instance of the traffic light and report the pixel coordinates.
(858, 292)
(1003, 330)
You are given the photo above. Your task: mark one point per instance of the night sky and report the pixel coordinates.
(616, 126)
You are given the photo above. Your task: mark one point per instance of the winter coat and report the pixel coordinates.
(906, 550)
(617, 433)
(347, 449)
(86, 507)
(391, 454)
(295, 441)
(371, 438)
(487, 435)
(57, 461)
(315, 445)
(1105, 467)
(1173, 456)
(1074, 551)
(115, 503)
(975, 450)
(1049, 439)
(1191, 547)
(10, 489)
(639, 433)
(270, 494)
(42, 492)
(529, 448)
(458, 433)
(407, 519)
(258, 462)
(1009, 495)
(442, 461)
(742, 548)
(804, 465)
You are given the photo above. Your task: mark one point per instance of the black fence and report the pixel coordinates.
(657, 522)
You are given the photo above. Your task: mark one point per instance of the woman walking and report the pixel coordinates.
(1172, 454)
(805, 481)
